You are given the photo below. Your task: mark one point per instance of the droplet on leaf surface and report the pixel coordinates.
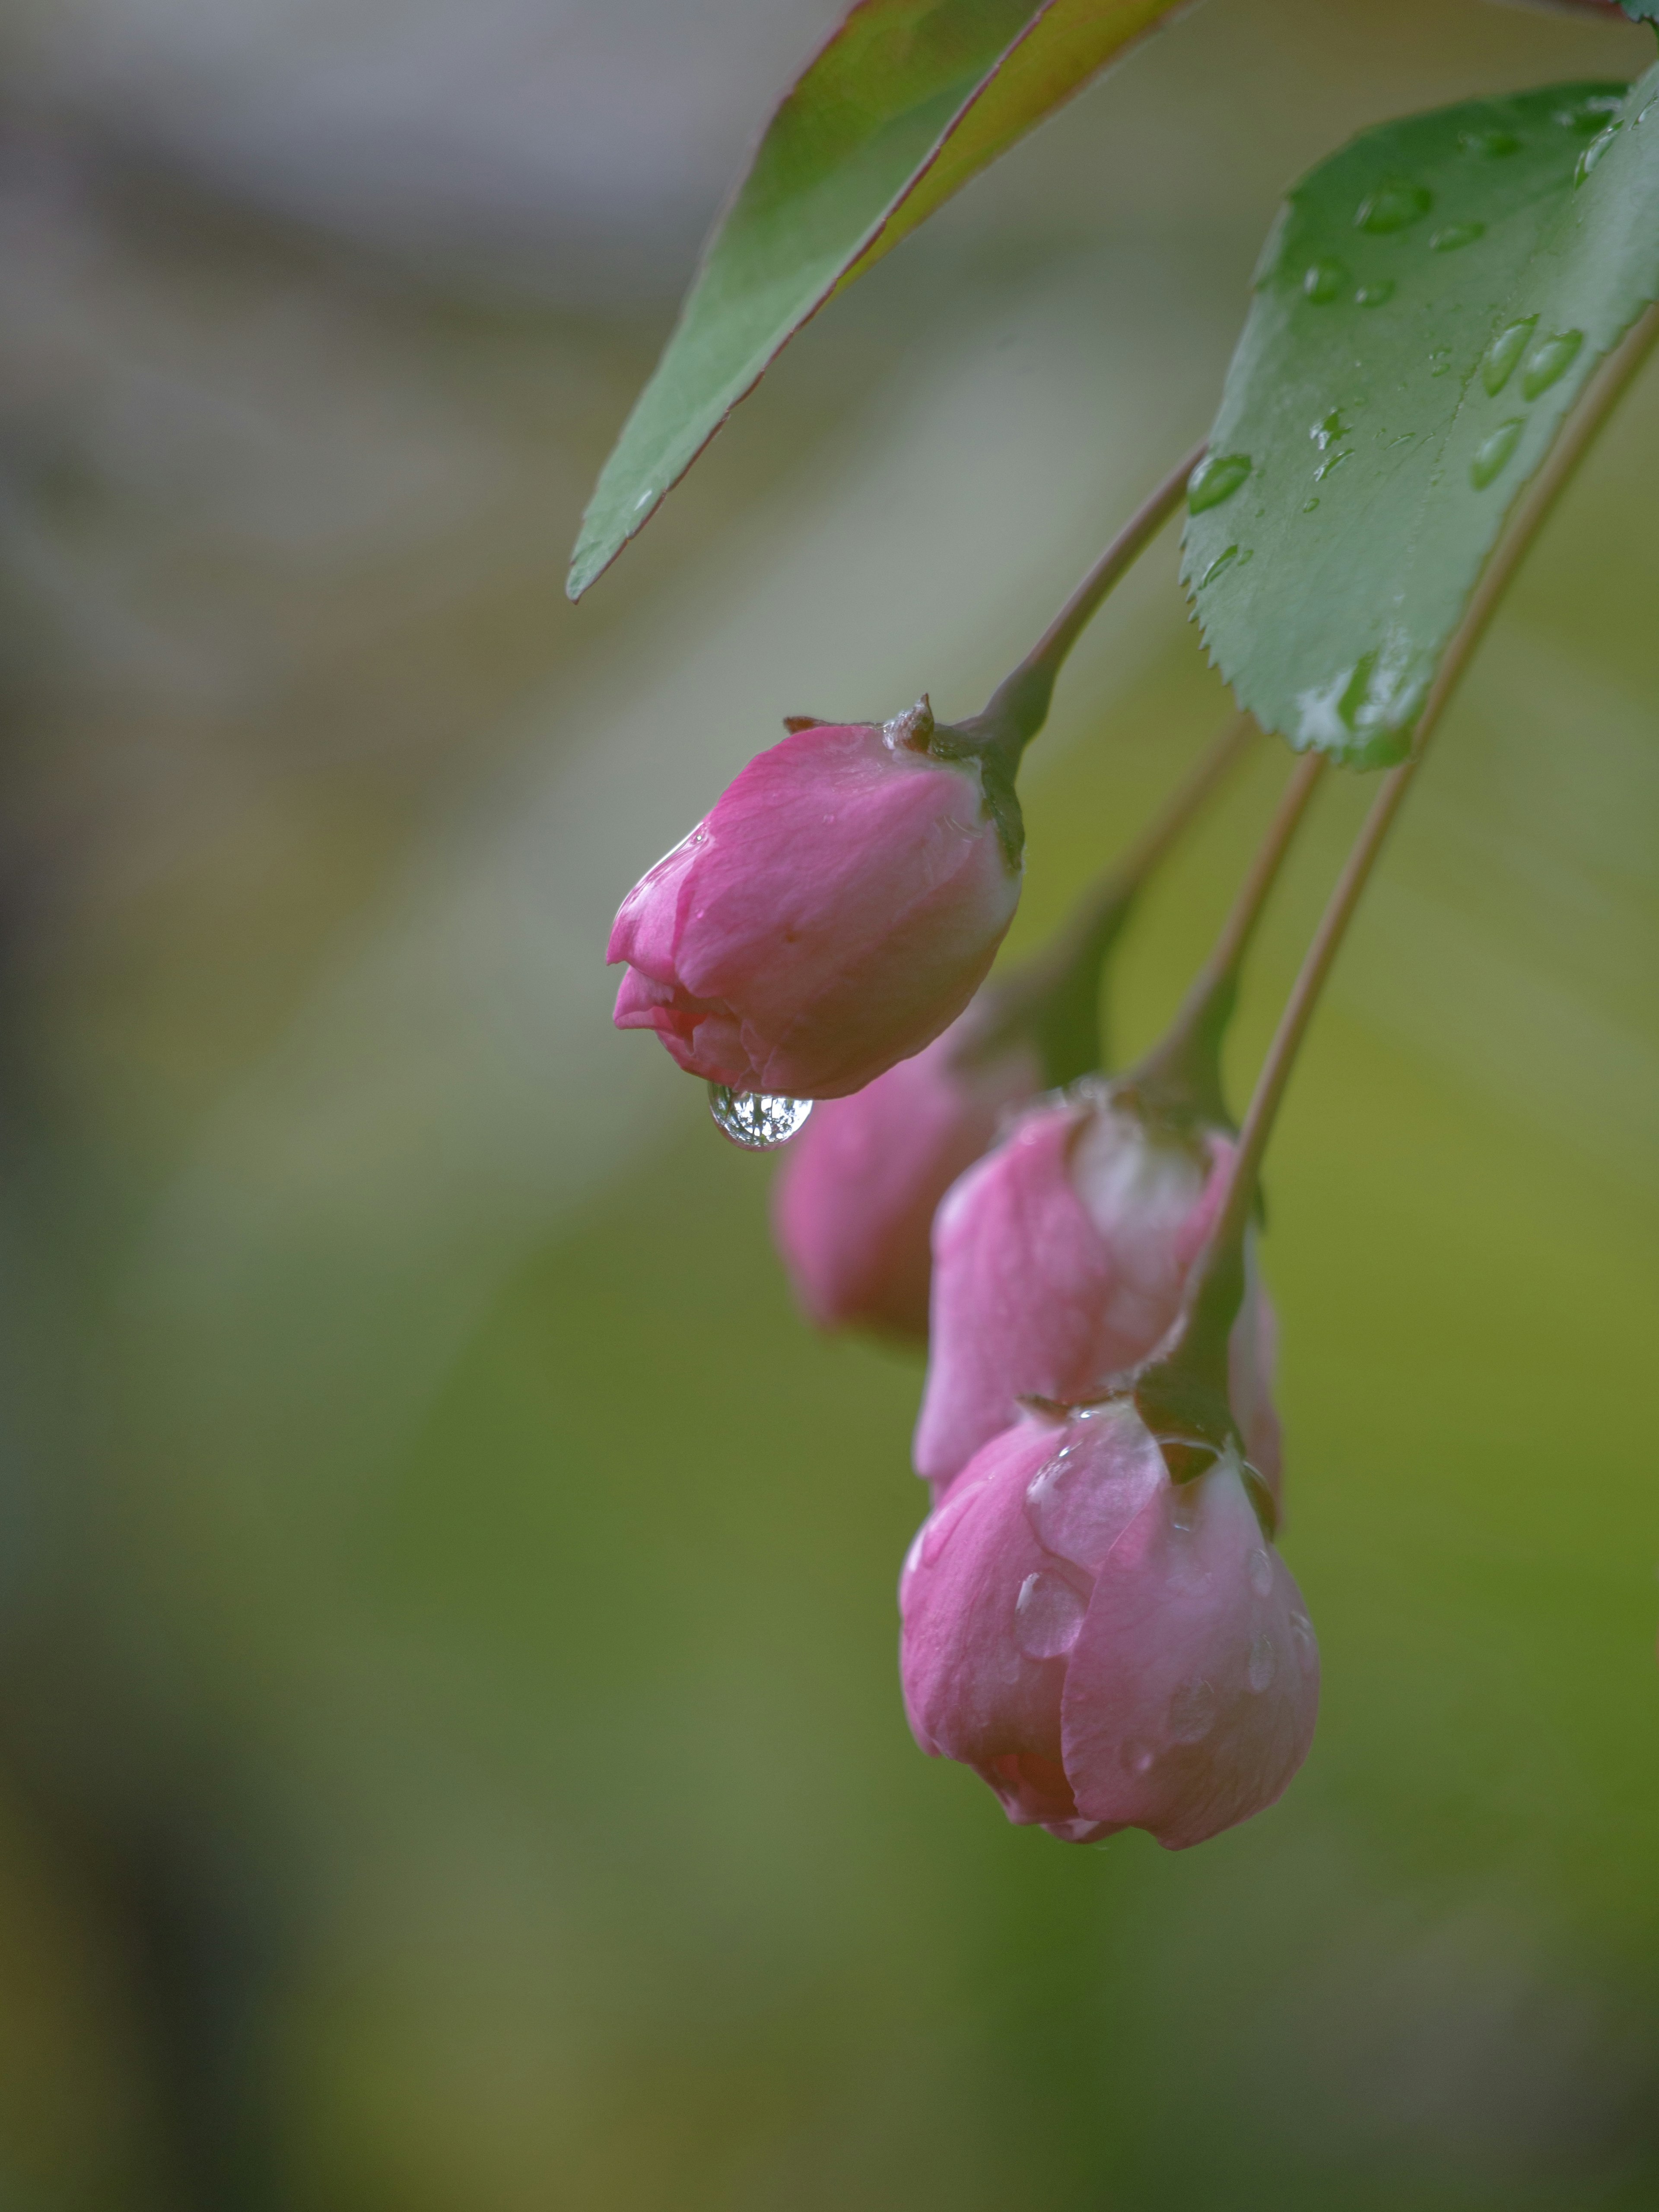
(1504, 352)
(1549, 360)
(1394, 204)
(1215, 480)
(759, 1120)
(1324, 281)
(1492, 458)
(1456, 234)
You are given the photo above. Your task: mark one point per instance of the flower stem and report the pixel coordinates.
(1054, 1000)
(1181, 1077)
(1217, 1285)
(1019, 707)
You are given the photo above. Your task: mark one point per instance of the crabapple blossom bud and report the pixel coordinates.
(1106, 1648)
(853, 1207)
(833, 912)
(1061, 1259)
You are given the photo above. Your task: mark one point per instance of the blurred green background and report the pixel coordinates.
(451, 1753)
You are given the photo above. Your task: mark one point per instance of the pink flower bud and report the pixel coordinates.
(1106, 1648)
(854, 1204)
(834, 911)
(1061, 1260)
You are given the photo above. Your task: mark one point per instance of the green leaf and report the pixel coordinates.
(908, 100)
(1430, 304)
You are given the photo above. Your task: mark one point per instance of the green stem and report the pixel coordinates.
(1054, 1000)
(1218, 1286)
(1180, 1078)
(1019, 707)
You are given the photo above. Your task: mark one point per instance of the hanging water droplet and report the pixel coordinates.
(1456, 234)
(759, 1120)
(1259, 1569)
(1215, 480)
(1549, 360)
(1393, 204)
(1504, 352)
(1593, 154)
(1264, 1661)
(1322, 280)
(1492, 458)
(1048, 1616)
(1191, 1711)
(1376, 293)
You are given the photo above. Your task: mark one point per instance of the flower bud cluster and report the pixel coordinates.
(1095, 1617)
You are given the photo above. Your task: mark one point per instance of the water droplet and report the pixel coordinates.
(1221, 560)
(1301, 1634)
(759, 1120)
(1138, 1757)
(1264, 1659)
(1643, 114)
(1503, 353)
(1333, 461)
(644, 500)
(1549, 360)
(1215, 480)
(1456, 234)
(1076, 1512)
(1191, 1711)
(1308, 505)
(1376, 293)
(1493, 457)
(1326, 434)
(1489, 145)
(1393, 204)
(1593, 152)
(1324, 280)
(1048, 1616)
(1439, 360)
(1259, 1569)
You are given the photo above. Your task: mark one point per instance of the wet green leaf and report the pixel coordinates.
(1429, 305)
(908, 100)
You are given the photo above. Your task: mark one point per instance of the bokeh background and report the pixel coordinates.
(450, 1747)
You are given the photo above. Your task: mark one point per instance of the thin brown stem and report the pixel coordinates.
(1218, 1283)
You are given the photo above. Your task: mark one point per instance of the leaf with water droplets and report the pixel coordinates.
(906, 102)
(1433, 299)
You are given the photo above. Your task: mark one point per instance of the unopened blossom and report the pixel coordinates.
(1106, 1648)
(832, 914)
(854, 1204)
(1061, 1260)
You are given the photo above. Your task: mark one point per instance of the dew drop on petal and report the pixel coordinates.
(1138, 1757)
(1301, 1632)
(1264, 1659)
(1259, 1569)
(759, 1120)
(1191, 1711)
(1048, 1616)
